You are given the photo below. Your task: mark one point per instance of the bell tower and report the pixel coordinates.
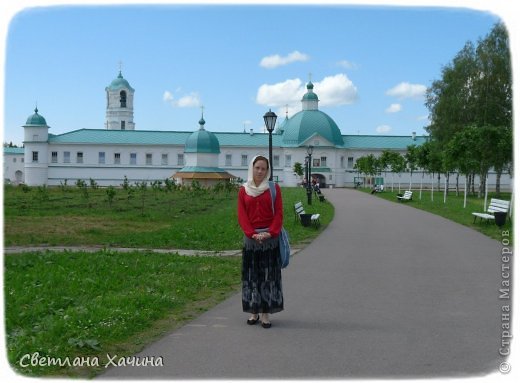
(120, 105)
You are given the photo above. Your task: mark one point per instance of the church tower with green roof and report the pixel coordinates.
(36, 153)
(120, 105)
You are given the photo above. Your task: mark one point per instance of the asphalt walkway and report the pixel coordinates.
(387, 291)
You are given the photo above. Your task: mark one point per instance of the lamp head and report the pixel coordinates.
(270, 120)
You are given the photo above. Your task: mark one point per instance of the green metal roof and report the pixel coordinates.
(119, 83)
(281, 126)
(202, 141)
(36, 119)
(307, 123)
(149, 137)
(310, 97)
(381, 142)
(226, 139)
(120, 137)
(8, 150)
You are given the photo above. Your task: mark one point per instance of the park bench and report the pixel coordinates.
(299, 210)
(378, 189)
(319, 194)
(407, 196)
(495, 206)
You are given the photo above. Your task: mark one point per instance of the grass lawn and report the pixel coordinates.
(454, 209)
(87, 305)
(178, 219)
(92, 304)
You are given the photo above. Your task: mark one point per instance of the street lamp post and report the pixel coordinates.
(306, 172)
(309, 172)
(270, 121)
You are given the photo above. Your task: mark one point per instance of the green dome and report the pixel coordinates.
(119, 83)
(36, 119)
(308, 123)
(310, 96)
(202, 141)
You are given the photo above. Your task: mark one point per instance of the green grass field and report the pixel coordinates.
(92, 304)
(87, 305)
(178, 219)
(454, 209)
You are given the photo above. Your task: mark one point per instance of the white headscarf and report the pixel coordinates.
(251, 188)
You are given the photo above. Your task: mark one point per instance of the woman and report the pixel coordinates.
(261, 269)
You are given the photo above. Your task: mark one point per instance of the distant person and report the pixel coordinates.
(261, 267)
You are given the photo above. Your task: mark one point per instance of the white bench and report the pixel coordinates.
(407, 196)
(496, 205)
(378, 189)
(298, 210)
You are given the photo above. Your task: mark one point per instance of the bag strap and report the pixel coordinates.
(273, 193)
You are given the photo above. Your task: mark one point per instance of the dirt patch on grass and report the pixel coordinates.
(70, 229)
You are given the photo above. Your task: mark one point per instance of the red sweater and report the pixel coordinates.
(257, 212)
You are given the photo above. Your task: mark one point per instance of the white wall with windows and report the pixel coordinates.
(53, 163)
(14, 167)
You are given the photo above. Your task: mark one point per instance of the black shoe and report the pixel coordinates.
(266, 324)
(253, 321)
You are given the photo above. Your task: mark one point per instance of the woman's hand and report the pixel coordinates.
(261, 236)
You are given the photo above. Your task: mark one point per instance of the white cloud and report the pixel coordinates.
(280, 94)
(167, 96)
(347, 64)
(393, 108)
(274, 61)
(187, 101)
(335, 90)
(383, 129)
(332, 91)
(407, 90)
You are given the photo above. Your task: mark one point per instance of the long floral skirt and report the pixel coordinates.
(261, 277)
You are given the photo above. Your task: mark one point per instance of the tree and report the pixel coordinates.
(367, 165)
(494, 84)
(298, 169)
(460, 152)
(503, 156)
(474, 94)
(452, 99)
(411, 159)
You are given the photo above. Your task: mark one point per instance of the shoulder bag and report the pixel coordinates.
(285, 247)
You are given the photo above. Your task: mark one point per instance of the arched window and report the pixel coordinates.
(122, 98)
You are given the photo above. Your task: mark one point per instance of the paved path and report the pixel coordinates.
(387, 291)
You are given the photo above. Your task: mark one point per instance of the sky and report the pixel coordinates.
(370, 65)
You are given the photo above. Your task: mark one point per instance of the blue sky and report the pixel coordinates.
(370, 64)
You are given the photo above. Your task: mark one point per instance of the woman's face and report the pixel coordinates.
(259, 171)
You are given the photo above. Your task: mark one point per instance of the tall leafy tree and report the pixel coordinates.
(474, 94)
(493, 86)
(411, 157)
(452, 100)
